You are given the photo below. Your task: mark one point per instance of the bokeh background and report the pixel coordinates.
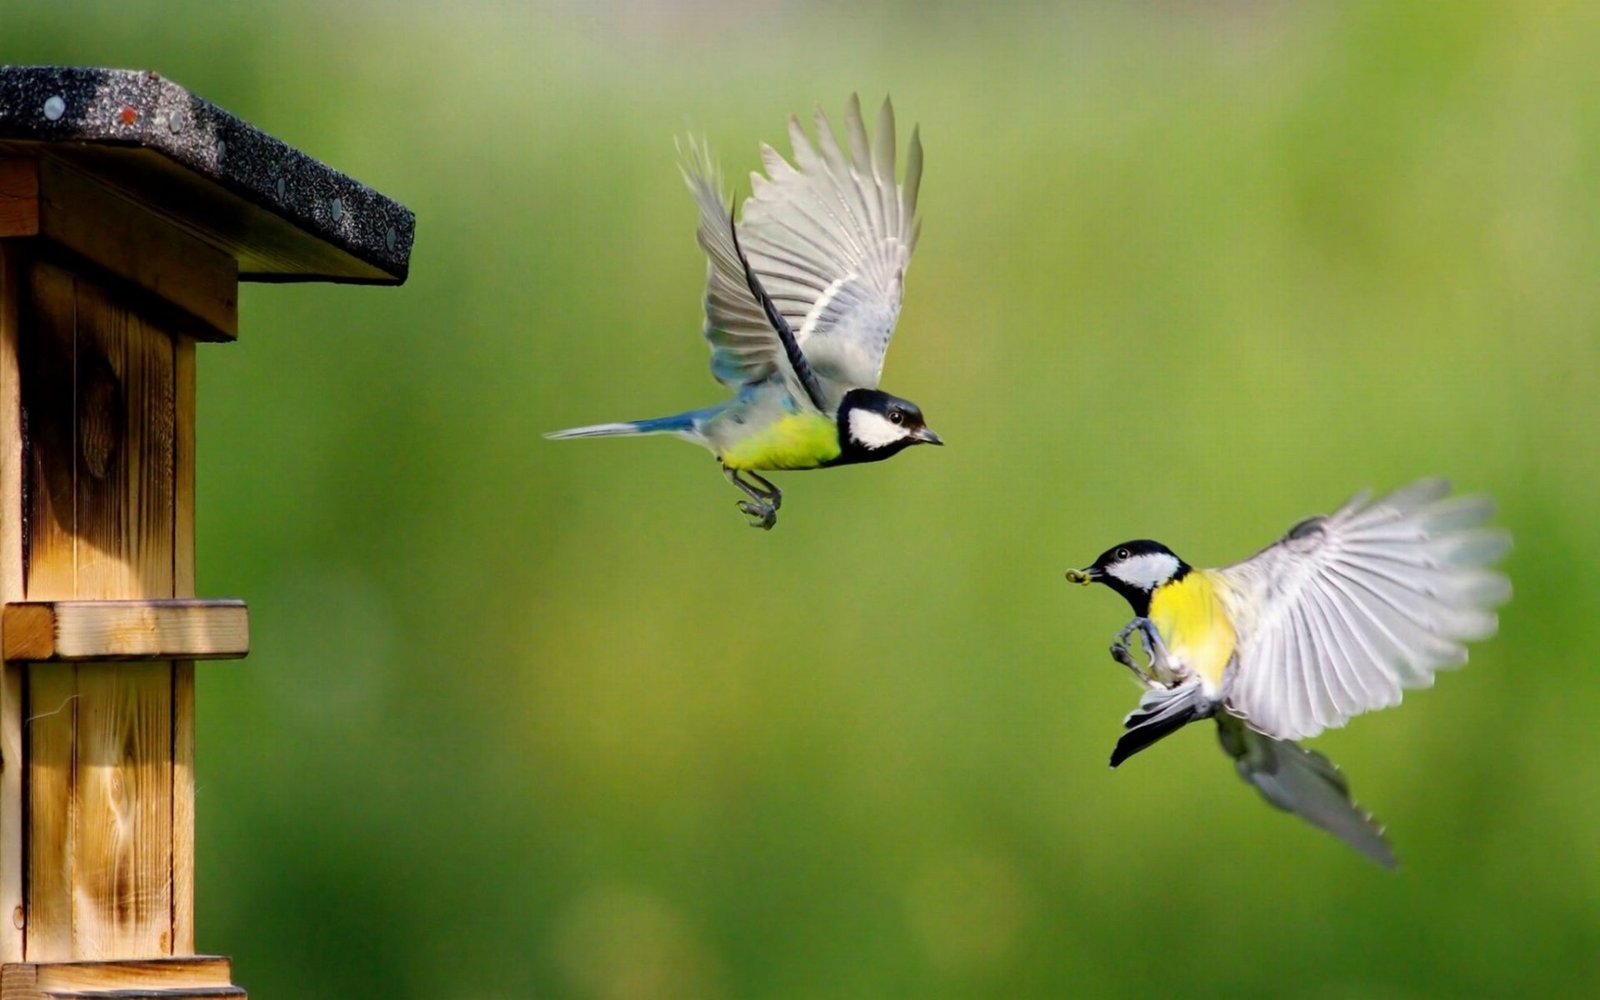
(537, 719)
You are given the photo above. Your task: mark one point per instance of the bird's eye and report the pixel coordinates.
(896, 417)
(1123, 553)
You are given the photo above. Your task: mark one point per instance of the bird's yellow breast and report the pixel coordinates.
(1194, 625)
(793, 441)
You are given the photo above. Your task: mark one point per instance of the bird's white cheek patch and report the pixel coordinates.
(874, 430)
(1146, 570)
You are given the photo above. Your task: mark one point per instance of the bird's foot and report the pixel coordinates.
(765, 514)
(770, 491)
(1149, 673)
(1160, 665)
(765, 498)
(1119, 652)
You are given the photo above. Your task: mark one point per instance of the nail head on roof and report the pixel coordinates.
(336, 209)
(54, 107)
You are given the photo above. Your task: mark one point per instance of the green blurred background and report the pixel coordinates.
(526, 718)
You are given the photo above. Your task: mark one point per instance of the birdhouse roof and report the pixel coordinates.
(283, 215)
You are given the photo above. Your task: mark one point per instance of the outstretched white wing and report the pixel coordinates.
(1347, 610)
(831, 236)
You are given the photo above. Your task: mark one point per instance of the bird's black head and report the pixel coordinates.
(874, 425)
(1134, 570)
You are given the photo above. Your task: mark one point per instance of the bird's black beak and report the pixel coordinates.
(925, 436)
(1085, 576)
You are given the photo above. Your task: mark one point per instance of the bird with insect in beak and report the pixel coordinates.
(801, 299)
(1336, 618)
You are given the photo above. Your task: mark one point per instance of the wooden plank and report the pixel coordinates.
(192, 993)
(13, 901)
(47, 391)
(51, 734)
(162, 629)
(19, 981)
(183, 467)
(19, 197)
(28, 632)
(172, 978)
(103, 499)
(122, 873)
(12, 705)
(149, 974)
(126, 421)
(95, 220)
(183, 807)
(183, 586)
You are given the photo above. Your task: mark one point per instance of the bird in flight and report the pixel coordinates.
(802, 294)
(1336, 618)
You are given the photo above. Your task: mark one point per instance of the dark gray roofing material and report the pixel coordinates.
(133, 108)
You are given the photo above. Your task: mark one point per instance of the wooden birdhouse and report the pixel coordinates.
(129, 212)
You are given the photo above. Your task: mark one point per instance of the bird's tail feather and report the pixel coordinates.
(1161, 712)
(1305, 783)
(682, 423)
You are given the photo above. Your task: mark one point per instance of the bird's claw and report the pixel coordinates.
(1120, 653)
(770, 493)
(1155, 652)
(765, 499)
(765, 514)
(1157, 670)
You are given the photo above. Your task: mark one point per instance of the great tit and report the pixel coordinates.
(1336, 618)
(801, 299)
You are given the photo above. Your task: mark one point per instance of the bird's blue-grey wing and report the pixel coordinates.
(1346, 611)
(831, 236)
(745, 348)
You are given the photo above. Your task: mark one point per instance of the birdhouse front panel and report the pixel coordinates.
(101, 444)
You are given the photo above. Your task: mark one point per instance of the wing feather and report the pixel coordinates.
(1374, 627)
(913, 183)
(1361, 688)
(746, 345)
(856, 131)
(1314, 692)
(828, 235)
(838, 217)
(883, 154)
(1346, 611)
(1339, 696)
(822, 201)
